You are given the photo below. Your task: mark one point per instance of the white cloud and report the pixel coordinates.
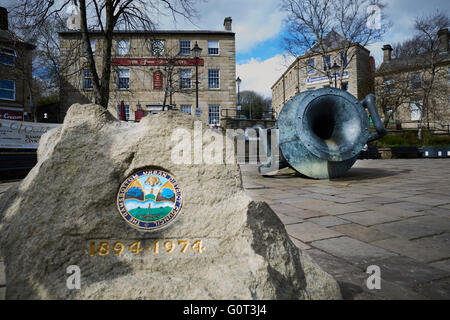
(254, 21)
(260, 75)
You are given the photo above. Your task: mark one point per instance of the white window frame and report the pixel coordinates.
(119, 47)
(12, 53)
(13, 90)
(326, 62)
(185, 107)
(214, 78)
(127, 112)
(216, 114)
(311, 67)
(119, 71)
(415, 112)
(154, 47)
(417, 81)
(210, 46)
(183, 78)
(186, 53)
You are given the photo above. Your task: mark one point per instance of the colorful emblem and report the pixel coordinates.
(149, 199)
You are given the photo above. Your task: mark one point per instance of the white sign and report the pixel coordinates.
(21, 134)
(198, 112)
(325, 78)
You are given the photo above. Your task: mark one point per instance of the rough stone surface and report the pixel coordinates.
(68, 200)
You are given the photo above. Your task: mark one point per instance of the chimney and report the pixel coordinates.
(372, 64)
(227, 23)
(3, 19)
(387, 49)
(443, 40)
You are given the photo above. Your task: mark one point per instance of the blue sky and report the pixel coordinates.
(260, 31)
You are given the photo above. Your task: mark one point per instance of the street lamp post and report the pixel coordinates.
(335, 68)
(196, 51)
(238, 82)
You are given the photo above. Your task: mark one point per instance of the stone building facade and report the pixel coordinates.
(15, 74)
(308, 72)
(403, 83)
(142, 76)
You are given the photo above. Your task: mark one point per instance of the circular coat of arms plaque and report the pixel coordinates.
(150, 200)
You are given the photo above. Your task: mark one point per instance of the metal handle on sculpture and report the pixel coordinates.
(369, 103)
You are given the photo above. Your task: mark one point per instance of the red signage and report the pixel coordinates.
(157, 80)
(11, 115)
(154, 62)
(138, 115)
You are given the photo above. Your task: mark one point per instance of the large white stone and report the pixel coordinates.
(69, 200)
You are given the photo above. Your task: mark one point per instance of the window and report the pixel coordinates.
(326, 62)
(123, 79)
(213, 114)
(87, 80)
(416, 81)
(186, 108)
(343, 58)
(157, 47)
(92, 47)
(389, 86)
(127, 112)
(213, 47)
(185, 78)
(7, 90)
(7, 56)
(213, 79)
(123, 47)
(311, 69)
(416, 113)
(185, 47)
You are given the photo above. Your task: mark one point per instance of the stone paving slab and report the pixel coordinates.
(358, 232)
(437, 289)
(2, 274)
(416, 227)
(308, 231)
(412, 249)
(398, 214)
(355, 251)
(369, 218)
(300, 244)
(406, 271)
(328, 221)
(443, 265)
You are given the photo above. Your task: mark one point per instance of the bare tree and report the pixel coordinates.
(317, 27)
(105, 16)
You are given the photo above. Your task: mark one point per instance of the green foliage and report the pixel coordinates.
(47, 100)
(411, 139)
(254, 103)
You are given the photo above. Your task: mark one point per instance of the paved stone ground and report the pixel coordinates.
(391, 213)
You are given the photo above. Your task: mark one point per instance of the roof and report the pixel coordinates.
(150, 32)
(409, 63)
(331, 41)
(9, 36)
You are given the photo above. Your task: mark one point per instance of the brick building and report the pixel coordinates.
(142, 76)
(15, 74)
(310, 71)
(403, 83)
